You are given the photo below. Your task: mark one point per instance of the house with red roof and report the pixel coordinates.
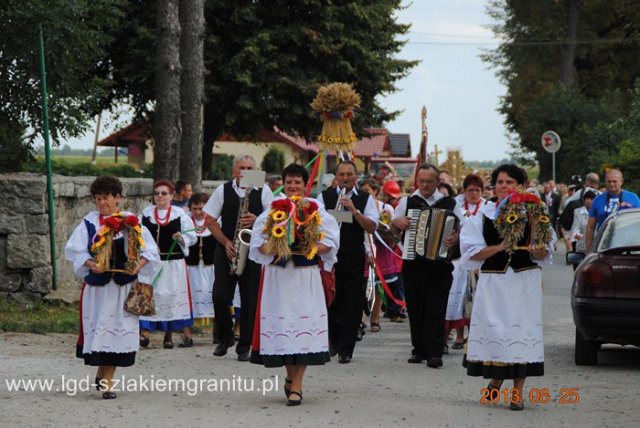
(377, 147)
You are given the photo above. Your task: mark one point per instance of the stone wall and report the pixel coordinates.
(26, 275)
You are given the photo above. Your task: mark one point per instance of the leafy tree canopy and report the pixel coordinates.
(266, 60)
(75, 38)
(590, 114)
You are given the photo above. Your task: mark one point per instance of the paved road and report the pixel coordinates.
(378, 389)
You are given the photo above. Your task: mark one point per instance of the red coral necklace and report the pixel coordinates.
(200, 228)
(164, 220)
(468, 213)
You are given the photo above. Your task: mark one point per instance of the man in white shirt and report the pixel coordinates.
(224, 204)
(346, 312)
(427, 282)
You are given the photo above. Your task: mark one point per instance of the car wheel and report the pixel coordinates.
(586, 352)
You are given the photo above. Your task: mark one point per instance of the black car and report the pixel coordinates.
(605, 296)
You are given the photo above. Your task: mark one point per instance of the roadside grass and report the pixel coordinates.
(41, 318)
(45, 318)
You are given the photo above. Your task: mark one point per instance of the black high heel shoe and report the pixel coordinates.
(291, 402)
(287, 390)
(516, 406)
(109, 395)
(492, 387)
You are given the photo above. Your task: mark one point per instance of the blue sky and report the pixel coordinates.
(460, 92)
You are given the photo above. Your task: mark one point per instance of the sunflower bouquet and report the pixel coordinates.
(102, 245)
(290, 221)
(519, 211)
(384, 229)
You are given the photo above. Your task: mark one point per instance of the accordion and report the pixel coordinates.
(426, 234)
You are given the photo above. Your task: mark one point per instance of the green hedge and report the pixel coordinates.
(73, 168)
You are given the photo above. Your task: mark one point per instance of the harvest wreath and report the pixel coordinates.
(515, 213)
(102, 242)
(293, 220)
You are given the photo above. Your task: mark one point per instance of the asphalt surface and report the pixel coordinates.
(377, 389)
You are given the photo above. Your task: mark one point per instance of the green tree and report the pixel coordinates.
(568, 66)
(14, 153)
(266, 59)
(222, 168)
(273, 160)
(167, 128)
(75, 37)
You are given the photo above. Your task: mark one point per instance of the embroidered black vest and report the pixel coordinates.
(351, 234)
(519, 261)
(231, 205)
(118, 260)
(164, 238)
(202, 249)
(446, 203)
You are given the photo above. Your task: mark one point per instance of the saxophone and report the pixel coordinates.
(241, 238)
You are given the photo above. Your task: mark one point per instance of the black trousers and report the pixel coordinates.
(346, 312)
(426, 286)
(223, 291)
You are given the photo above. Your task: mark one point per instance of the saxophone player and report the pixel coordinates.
(224, 205)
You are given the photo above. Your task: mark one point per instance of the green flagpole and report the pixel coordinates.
(47, 153)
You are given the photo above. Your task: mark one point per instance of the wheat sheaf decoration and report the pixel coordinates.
(334, 104)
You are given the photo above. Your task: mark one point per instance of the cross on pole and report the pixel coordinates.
(435, 154)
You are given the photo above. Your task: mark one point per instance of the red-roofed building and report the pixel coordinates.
(136, 138)
(376, 147)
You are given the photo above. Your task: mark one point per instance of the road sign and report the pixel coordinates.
(551, 141)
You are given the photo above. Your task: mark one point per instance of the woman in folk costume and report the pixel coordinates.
(108, 240)
(200, 266)
(509, 241)
(291, 322)
(470, 201)
(171, 291)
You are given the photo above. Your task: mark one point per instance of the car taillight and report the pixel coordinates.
(596, 281)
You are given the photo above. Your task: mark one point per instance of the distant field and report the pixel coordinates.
(80, 165)
(102, 160)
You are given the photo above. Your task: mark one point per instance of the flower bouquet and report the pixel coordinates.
(103, 241)
(293, 220)
(384, 229)
(519, 211)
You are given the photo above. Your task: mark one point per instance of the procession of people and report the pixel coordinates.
(302, 274)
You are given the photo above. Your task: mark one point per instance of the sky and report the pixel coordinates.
(460, 92)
